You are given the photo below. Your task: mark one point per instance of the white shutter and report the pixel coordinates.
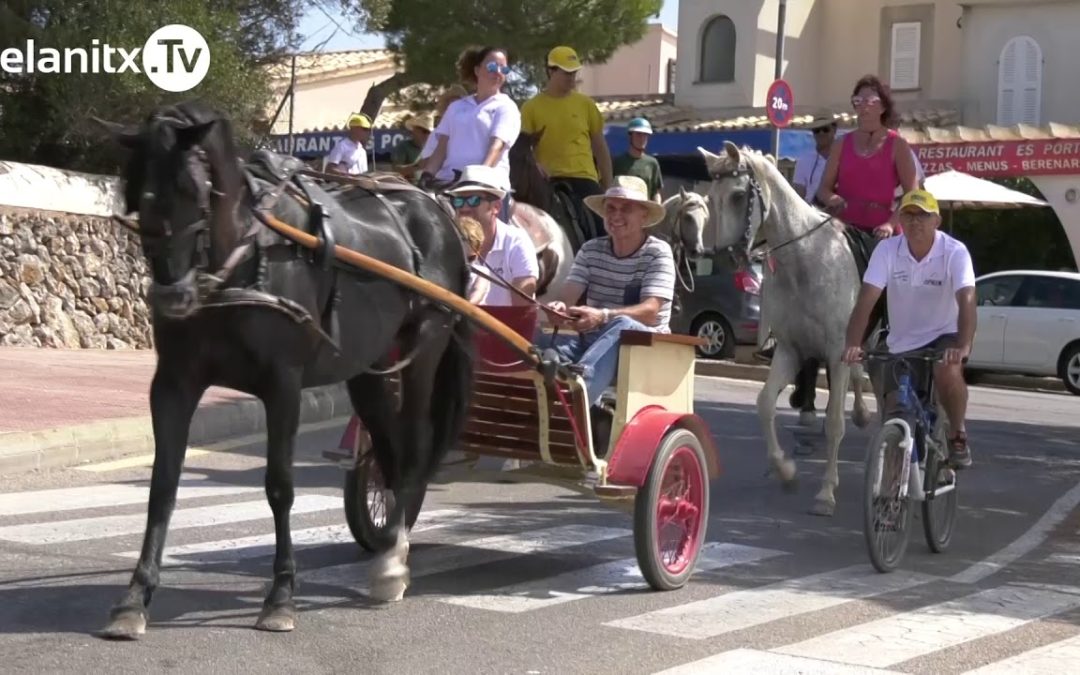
(906, 43)
(1020, 82)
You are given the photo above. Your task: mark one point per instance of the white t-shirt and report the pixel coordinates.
(352, 154)
(470, 126)
(512, 256)
(809, 168)
(921, 294)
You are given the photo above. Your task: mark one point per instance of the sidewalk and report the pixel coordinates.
(66, 407)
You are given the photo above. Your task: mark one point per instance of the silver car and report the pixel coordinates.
(724, 306)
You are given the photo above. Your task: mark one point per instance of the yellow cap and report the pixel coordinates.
(922, 200)
(359, 120)
(564, 58)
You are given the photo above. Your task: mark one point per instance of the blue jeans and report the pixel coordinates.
(596, 351)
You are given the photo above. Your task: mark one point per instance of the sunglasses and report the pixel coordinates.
(493, 67)
(823, 130)
(857, 101)
(472, 200)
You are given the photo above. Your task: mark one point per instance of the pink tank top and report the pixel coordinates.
(868, 184)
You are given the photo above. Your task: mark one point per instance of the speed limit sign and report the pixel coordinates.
(780, 104)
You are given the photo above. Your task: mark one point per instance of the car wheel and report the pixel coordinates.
(1070, 369)
(716, 331)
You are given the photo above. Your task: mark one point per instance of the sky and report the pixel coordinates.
(317, 26)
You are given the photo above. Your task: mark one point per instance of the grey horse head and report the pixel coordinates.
(737, 198)
(687, 214)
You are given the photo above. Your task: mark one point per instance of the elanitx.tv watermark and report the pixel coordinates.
(175, 58)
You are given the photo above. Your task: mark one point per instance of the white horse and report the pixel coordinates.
(553, 249)
(813, 287)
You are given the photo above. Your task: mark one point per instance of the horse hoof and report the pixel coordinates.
(822, 508)
(389, 589)
(787, 470)
(807, 419)
(790, 486)
(861, 418)
(125, 625)
(280, 619)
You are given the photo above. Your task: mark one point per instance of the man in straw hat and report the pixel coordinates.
(405, 156)
(627, 278)
(931, 305)
(506, 251)
(349, 156)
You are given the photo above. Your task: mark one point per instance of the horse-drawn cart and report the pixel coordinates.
(659, 455)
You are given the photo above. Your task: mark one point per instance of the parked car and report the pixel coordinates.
(1029, 324)
(724, 307)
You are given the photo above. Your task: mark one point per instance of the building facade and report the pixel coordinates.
(645, 67)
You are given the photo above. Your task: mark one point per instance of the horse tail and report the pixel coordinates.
(452, 393)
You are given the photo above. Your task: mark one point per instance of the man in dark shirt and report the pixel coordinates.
(634, 162)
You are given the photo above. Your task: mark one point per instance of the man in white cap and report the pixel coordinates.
(507, 252)
(573, 149)
(627, 278)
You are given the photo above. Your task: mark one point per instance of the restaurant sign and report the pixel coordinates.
(988, 159)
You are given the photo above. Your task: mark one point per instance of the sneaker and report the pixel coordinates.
(959, 452)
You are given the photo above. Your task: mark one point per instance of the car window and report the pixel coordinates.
(1050, 292)
(998, 291)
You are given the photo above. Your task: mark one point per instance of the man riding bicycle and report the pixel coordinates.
(930, 305)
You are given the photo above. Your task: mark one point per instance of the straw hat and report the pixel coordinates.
(630, 188)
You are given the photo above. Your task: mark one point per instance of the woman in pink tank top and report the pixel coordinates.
(866, 166)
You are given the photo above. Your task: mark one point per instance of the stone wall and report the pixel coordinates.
(70, 281)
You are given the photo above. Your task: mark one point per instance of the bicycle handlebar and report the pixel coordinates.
(934, 354)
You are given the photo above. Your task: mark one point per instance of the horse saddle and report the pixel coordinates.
(862, 245)
(529, 221)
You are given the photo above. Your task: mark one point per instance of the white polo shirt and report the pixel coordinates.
(470, 126)
(352, 154)
(512, 256)
(921, 294)
(809, 168)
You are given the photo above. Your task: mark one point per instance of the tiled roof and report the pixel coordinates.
(991, 132)
(321, 65)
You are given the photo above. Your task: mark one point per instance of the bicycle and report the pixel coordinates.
(911, 452)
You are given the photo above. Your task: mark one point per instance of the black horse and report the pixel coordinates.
(236, 305)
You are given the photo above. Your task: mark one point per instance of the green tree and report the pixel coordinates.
(428, 35)
(45, 118)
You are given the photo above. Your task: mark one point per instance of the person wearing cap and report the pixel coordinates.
(506, 252)
(627, 279)
(406, 153)
(572, 149)
(349, 155)
(635, 162)
(931, 305)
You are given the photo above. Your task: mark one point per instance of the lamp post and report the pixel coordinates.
(780, 16)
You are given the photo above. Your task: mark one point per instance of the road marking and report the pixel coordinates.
(260, 545)
(109, 494)
(909, 635)
(753, 660)
(1026, 543)
(752, 607)
(220, 446)
(444, 558)
(1064, 558)
(83, 529)
(618, 575)
(1056, 657)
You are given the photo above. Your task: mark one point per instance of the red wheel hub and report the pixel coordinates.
(679, 510)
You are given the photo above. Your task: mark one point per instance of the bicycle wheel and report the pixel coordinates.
(939, 513)
(885, 514)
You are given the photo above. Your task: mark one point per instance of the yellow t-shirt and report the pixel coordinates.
(568, 123)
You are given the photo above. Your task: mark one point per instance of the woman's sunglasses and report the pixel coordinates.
(823, 130)
(857, 101)
(472, 200)
(493, 67)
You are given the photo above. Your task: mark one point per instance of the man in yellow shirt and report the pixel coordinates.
(572, 149)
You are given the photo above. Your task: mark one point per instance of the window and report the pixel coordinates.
(1051, 292)
(718, 50)
(998, 291)
(904, 59)
(670, 76)
(1020, 82)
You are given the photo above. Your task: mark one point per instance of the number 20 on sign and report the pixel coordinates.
(779, 103)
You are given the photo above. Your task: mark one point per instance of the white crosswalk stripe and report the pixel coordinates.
(449, 540)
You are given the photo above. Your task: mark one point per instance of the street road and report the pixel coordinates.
(534, 578)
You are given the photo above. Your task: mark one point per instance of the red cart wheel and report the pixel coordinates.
(671, 511)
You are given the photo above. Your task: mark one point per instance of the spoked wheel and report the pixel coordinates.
(671, 512)
(368, 503)
(939, 513)
(886, 515)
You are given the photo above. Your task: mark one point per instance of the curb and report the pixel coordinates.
(759, 373)
(112, 439)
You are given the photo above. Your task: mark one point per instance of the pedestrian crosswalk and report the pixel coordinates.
(228, 529)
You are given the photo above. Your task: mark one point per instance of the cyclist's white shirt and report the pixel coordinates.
(921, 294)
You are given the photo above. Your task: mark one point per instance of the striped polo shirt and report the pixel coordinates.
(607, 278)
